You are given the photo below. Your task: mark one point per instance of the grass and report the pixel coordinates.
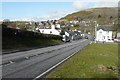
(17, 43)
(94, 61)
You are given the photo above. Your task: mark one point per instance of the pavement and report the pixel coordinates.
(32, 63)
(106, 42)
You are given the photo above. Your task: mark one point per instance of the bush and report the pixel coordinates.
(115, 41)
(76, 25)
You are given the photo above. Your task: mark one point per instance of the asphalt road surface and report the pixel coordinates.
(30, 64)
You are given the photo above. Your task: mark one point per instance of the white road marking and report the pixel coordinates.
(55, 65)
(39, 76)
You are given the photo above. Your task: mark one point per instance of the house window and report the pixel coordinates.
(100, 32)
(107, 32)
(50, 32)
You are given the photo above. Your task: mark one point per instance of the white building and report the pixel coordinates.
(55, 30)
(104, 33)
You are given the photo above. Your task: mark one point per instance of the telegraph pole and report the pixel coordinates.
(95, 31)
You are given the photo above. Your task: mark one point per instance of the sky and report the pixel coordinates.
(47, 10)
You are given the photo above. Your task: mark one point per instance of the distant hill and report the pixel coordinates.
(101, 15)
(105, 15)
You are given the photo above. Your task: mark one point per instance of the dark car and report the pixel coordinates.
(86, 37)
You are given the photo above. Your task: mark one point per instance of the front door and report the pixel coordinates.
(101, 37)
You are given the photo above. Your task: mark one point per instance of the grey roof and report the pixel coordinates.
(105, 28)
(70, 32)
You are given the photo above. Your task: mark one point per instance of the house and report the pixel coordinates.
(54, 29)
(104, 33)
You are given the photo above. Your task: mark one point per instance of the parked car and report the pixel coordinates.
(117, 38)
(86, 37)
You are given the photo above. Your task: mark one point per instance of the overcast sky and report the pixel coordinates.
(44, 10)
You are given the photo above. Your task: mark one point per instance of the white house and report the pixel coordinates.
(55, 30)
(104, 33)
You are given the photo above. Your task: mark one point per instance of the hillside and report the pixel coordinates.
(106, 15)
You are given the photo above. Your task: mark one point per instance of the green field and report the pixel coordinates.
(94, 61)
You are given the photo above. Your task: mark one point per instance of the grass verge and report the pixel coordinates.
(18, 43)
(94, 61)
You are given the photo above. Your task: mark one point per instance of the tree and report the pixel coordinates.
(111, 17)
(76, 25)
(23, 28)
(99, 16)
(36, 25)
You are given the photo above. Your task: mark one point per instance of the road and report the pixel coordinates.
(30, 64)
